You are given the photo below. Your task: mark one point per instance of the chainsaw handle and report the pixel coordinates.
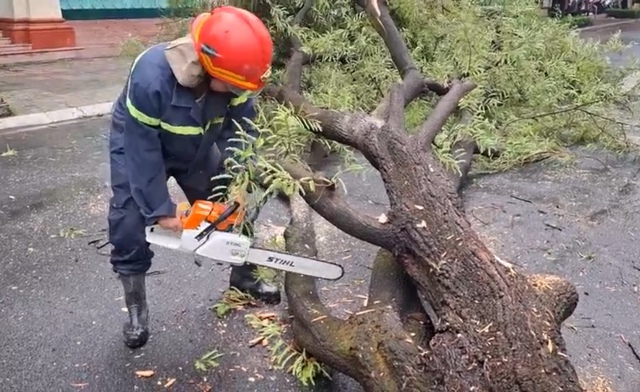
(182, 212)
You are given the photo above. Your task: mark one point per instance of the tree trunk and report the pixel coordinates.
(494, 328)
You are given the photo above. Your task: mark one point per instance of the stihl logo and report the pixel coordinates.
(276, 260)
(237, 245)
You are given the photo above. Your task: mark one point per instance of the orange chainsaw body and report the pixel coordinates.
(204, 210)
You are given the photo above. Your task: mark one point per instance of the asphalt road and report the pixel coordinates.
(629, 34)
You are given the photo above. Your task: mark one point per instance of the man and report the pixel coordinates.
(179, 103)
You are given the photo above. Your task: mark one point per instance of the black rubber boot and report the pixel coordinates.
(243, 279)
(136, 330)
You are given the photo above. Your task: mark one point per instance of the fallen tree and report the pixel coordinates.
(495, 328)
(444, 313)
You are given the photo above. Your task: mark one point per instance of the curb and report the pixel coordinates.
(56, 116)
(607, 25)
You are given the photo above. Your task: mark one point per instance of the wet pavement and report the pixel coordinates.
(61, 306)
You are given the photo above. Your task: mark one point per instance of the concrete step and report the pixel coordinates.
(10, 48)
(42, 55)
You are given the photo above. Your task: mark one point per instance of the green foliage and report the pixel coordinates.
(282, 135)
(5, 109)
(131, 48)
(208, 361)
(9, 152)
(540, 87)
(232, 299)
(286, 356)
(621, 13)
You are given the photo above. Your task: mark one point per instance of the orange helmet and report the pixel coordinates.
(234, 46)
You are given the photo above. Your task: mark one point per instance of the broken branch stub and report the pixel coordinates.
(493, 328)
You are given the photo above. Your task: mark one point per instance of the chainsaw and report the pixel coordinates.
(207, 231)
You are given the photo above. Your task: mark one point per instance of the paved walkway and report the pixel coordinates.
(96, 74)
(34, 88)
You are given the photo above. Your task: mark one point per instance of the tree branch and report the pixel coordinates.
(382, 22)
(413, 82)
(463, 151)
(293, 69)
(465, 147)
(325, 201)
(314, 327)
(441, 113)
(351, 129)
(297, 20)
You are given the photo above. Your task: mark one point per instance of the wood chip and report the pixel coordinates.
(318, 319)
(145, 373)
(365, 311)
(266, 315)
(255, 341)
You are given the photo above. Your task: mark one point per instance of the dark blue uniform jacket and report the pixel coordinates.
(160, 129)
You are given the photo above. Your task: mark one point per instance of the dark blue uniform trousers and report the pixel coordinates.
(131, 253)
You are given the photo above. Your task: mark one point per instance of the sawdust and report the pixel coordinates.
(98, 205)
(598, 384)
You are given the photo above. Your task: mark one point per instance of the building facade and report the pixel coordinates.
(112, 9)
(38, 23)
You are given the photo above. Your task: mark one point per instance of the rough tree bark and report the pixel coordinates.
(495, 327)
